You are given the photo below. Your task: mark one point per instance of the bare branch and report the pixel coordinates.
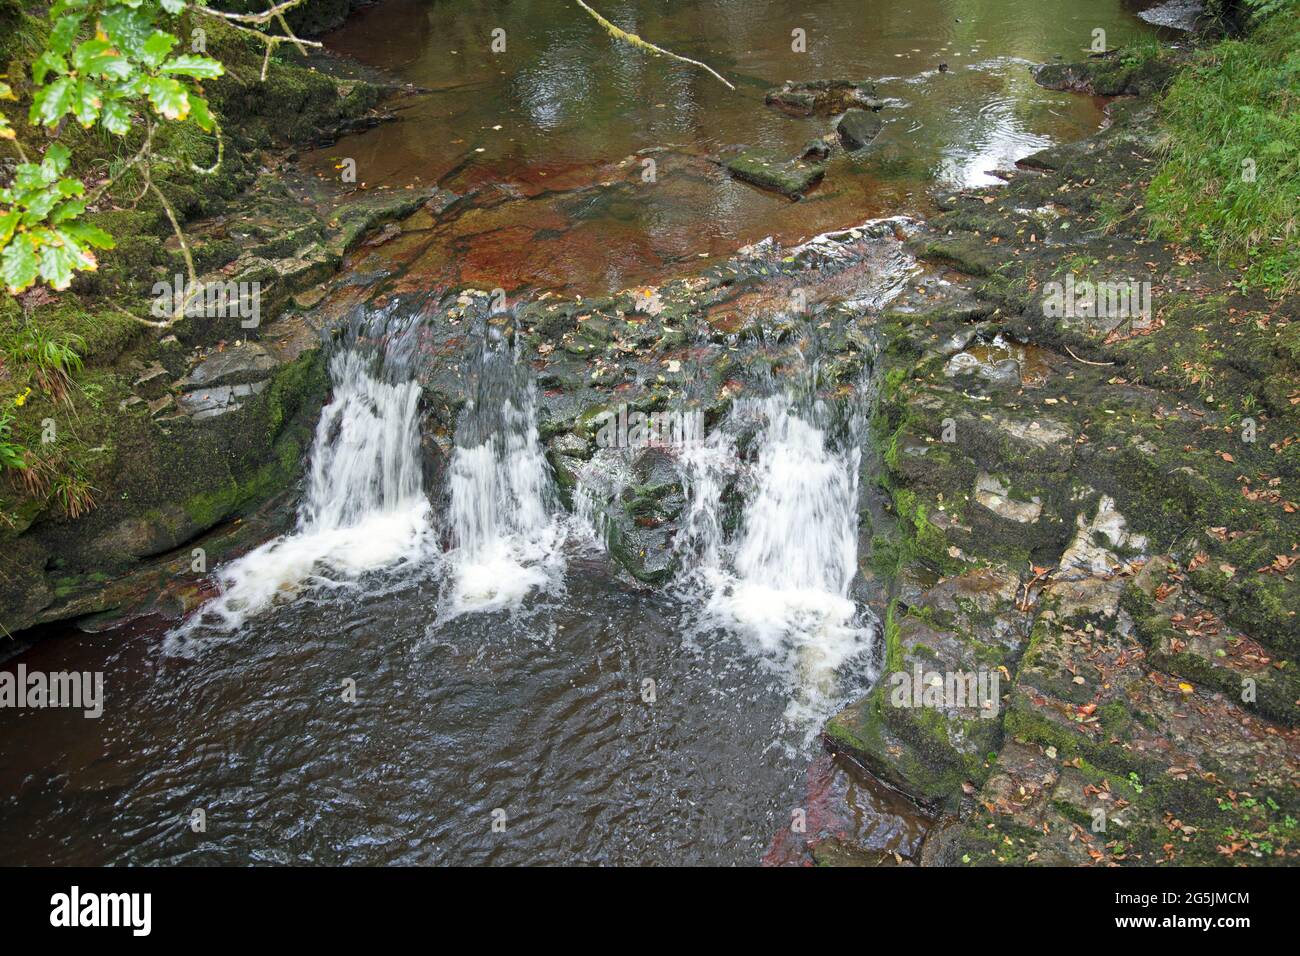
(266, 16)
(135, 318)
(191, 272)
(22, 153)
(633, 40)
(135, 160)
(221, 153)
(245, 23)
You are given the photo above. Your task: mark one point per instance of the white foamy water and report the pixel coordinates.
(505, 536)
(364, 508)
(783, 583)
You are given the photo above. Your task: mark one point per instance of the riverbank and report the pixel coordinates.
(1100, 509)
(151, 455)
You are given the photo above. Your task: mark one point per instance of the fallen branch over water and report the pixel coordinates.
(633, 40)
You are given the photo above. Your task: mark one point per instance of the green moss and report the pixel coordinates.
(790, 178)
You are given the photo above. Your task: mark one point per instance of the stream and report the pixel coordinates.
(468, 677)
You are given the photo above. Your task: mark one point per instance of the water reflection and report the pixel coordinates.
(563, 92)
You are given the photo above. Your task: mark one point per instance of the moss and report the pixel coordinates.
(790, 178)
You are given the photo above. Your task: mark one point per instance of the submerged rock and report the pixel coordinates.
(823, 97)
(857, 128)
(790, 178)
(817, 149)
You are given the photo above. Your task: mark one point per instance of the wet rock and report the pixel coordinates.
(1003, 373)
(145, 536)
(957, 342)
(1093, 550)
(857, 128)
(218, 400)
(152, 381)
(834, 852)
(386, 233)
(234, 365)
(310, 298)
(817, 150)
(995, 495)
(790, 178)
(570, 446)
(822, 97)
(1042, 434)
(1108, 75)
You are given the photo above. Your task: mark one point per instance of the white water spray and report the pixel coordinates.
(364, 508)
(505, 537)
(783, 584)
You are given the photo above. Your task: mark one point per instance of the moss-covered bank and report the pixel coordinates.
(152, 438)
(1101, 508)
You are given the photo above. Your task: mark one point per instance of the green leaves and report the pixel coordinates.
(19, 263)
(200, 115)
(169, 97)
(99, 79)
(106, 62)
(155, 49)
(63, 33)
(60, 257)
(98, 58)
(55, 101)
(199, 67)
(38, 229)
(6, 93)
(115, 117)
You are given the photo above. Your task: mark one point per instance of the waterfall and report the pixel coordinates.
(505, 537)
(783, 582)
(364, 507)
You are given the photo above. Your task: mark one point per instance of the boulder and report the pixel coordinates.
(790, 178)
(857, 128)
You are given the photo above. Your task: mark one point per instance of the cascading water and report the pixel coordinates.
(505, 539)
(783, 581)
(364, 506)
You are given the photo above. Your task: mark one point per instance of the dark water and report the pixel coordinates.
(539, 713)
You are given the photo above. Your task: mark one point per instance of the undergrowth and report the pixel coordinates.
(1230, 178)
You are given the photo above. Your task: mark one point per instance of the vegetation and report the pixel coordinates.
(1231, 133)
(112, 66)
(110, 137)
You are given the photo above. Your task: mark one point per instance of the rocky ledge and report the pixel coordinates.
(198, 433)
(1096, 515)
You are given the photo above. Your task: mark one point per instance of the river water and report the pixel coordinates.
(395, 683)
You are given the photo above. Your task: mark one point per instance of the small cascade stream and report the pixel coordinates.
(364, 506)
(506, 537)
(501, 663)
(782, 581)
